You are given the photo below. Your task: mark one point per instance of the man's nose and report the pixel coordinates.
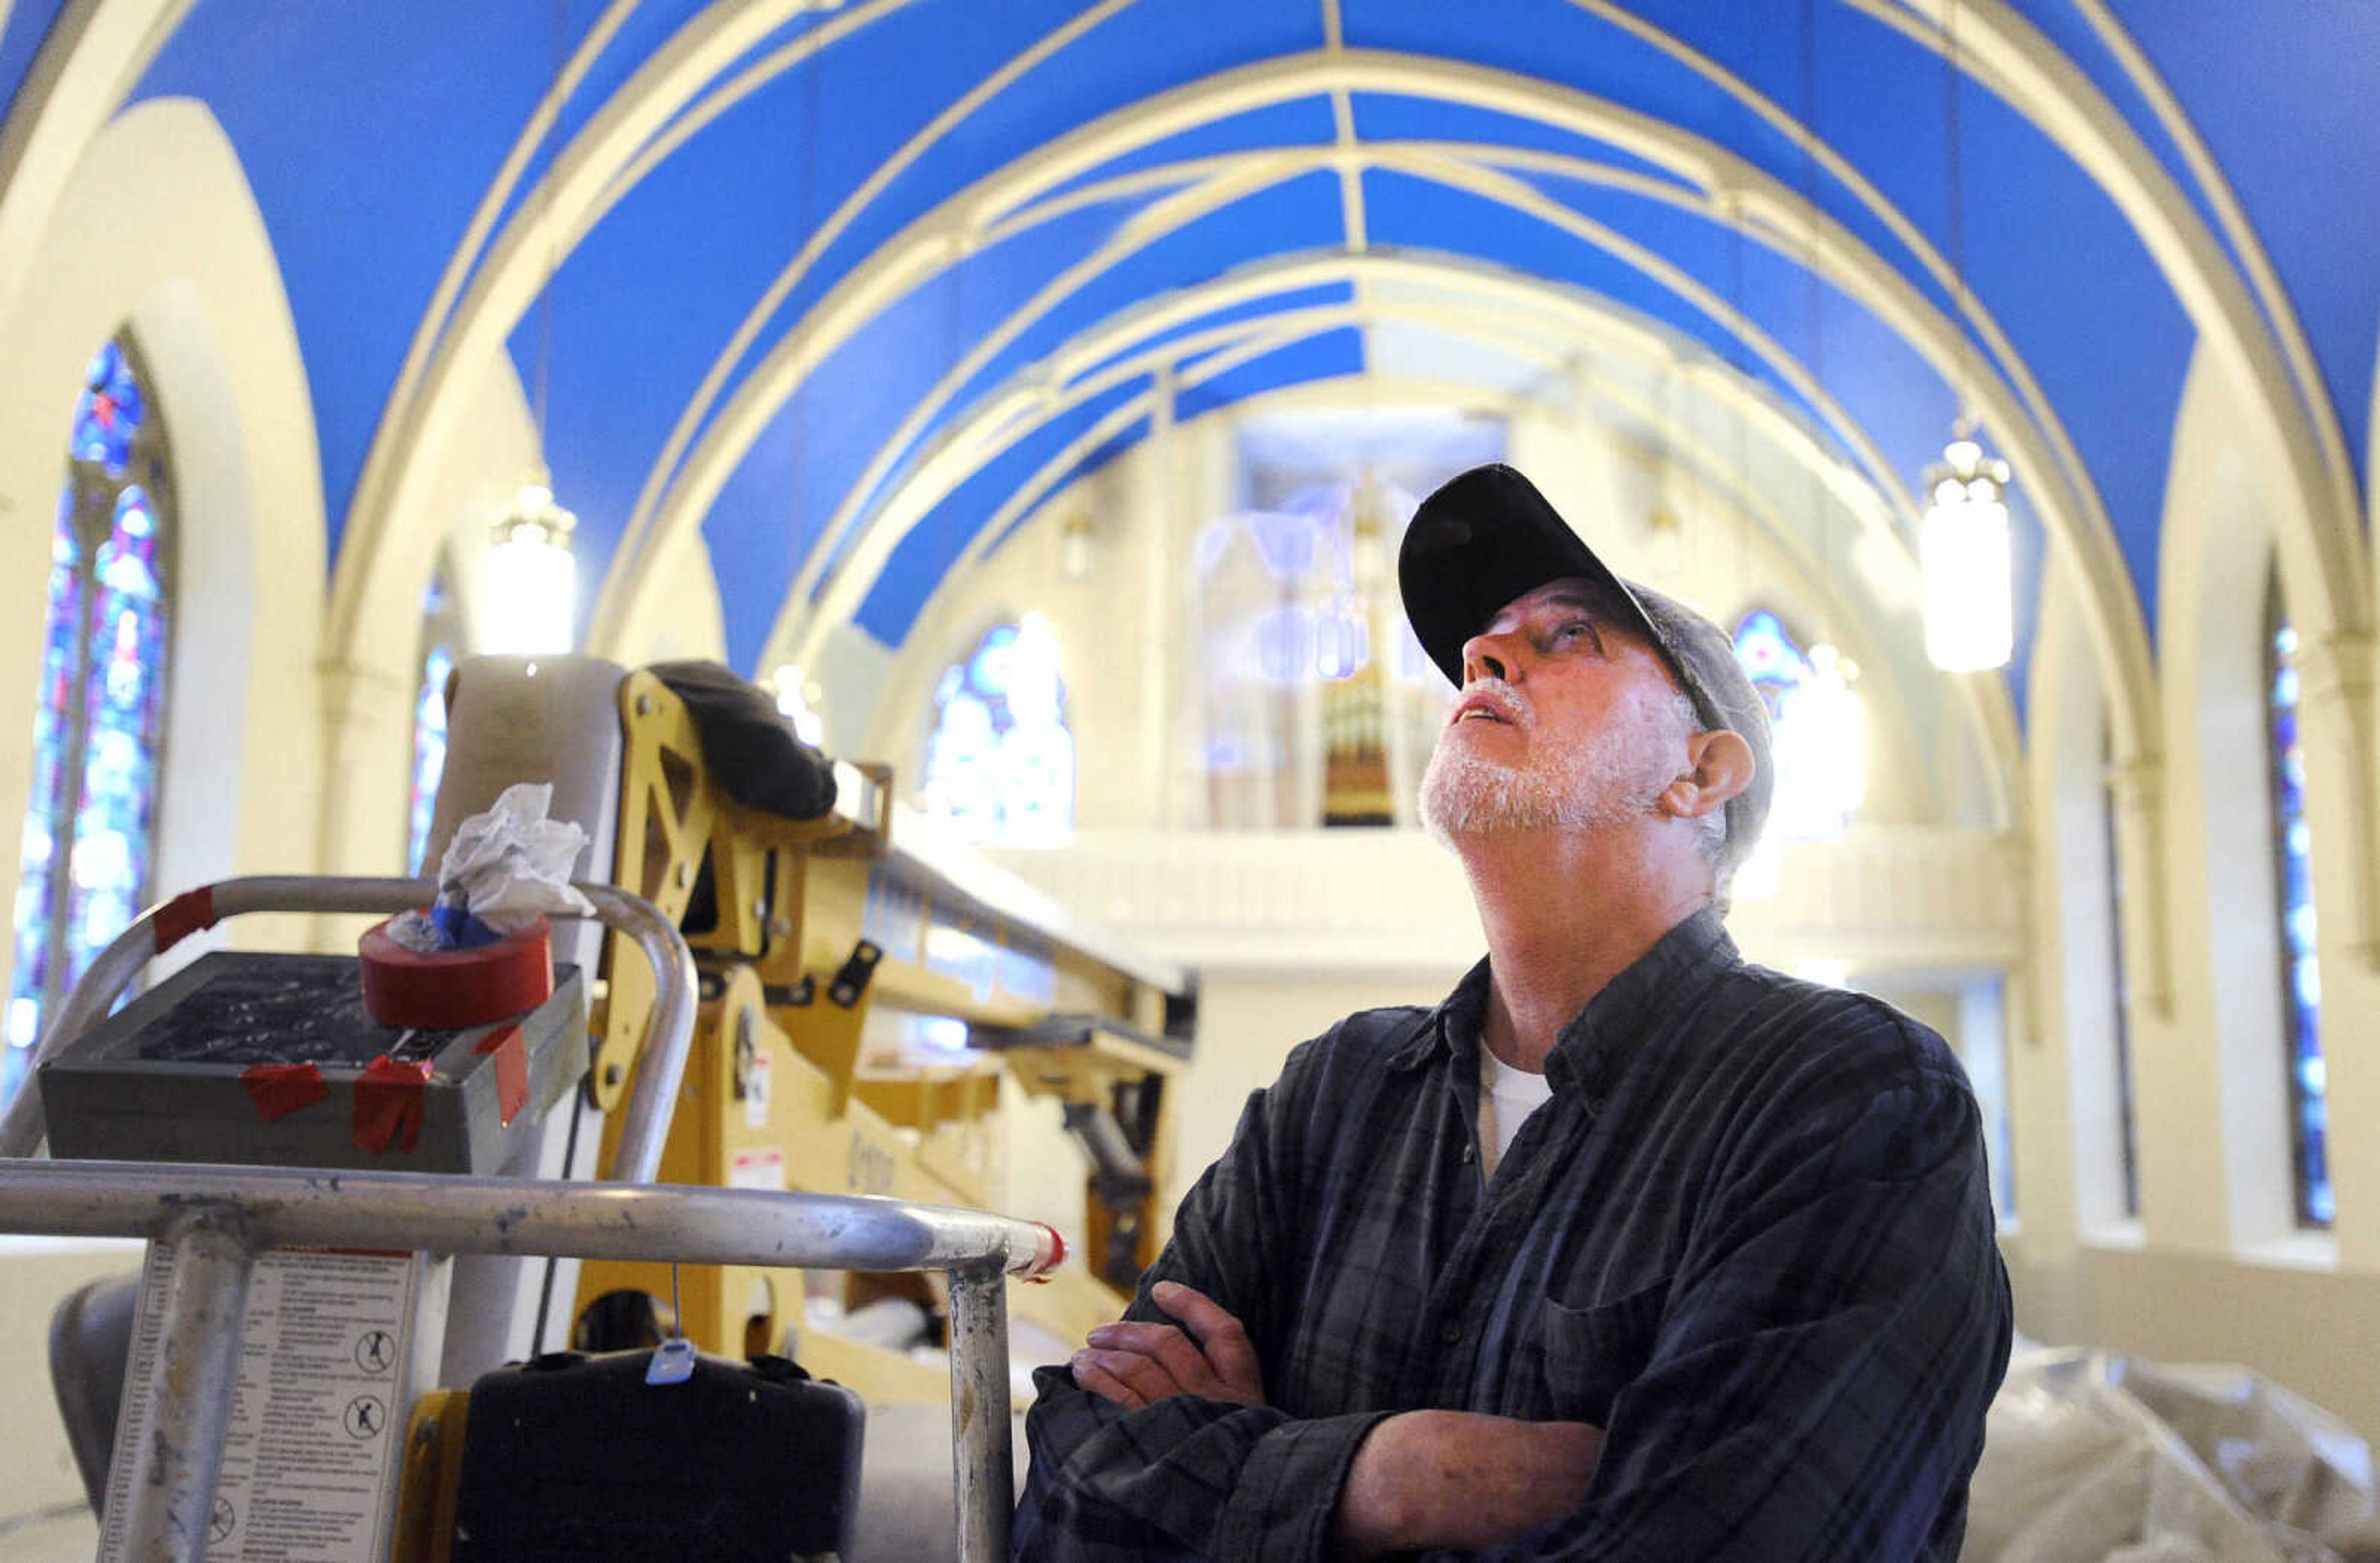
(1490, 654)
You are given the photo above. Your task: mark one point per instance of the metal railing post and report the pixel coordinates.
(169, 1494)
(979, 1419)
(669, 1035)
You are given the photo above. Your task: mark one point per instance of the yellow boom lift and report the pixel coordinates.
(803, 930)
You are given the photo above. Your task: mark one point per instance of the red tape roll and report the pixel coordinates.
(388, 1105)
(449, 989)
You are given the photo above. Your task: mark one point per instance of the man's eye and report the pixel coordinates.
(1573, 629)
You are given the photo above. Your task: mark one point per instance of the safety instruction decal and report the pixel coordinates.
(758, 1170)
(317, 1427)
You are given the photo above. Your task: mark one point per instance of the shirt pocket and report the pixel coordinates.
(1593, 1352)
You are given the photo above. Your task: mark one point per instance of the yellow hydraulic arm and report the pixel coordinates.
(802, 929)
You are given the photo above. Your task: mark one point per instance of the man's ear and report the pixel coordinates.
(1718, 765)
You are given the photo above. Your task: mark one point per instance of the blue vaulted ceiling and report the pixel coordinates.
(372, 133)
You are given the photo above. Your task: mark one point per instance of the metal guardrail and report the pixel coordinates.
(214, 1221)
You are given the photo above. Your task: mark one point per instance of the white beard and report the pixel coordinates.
(1604, 782)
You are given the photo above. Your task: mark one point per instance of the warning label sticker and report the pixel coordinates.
(757, 1169)
(310, 1460)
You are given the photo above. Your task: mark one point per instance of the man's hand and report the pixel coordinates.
(1136, 1364)
(1461, 1479)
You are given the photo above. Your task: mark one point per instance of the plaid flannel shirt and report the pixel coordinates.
(1750, 1236)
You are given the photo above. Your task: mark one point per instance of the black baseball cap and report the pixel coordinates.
(1488, 535)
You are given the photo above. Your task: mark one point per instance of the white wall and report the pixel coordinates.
(2214, 1267)
(1247, 1023)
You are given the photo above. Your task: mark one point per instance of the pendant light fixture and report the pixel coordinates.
(532, 576)
(1962, 547)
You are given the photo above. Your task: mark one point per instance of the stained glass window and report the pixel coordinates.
(2126, 1119)
(1000, 763)
(1771, 660)
(2300, 975)
(84, 858)
(1817, 729)
(440, 633)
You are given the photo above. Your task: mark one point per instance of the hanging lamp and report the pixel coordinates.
(531, 574)
(1963, 551)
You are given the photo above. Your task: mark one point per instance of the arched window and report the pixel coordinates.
(1818, 732)
(442, 638)
(84, 858)
(1770, 659)
(2294, 865)
(2120, 988)
(1000, 763)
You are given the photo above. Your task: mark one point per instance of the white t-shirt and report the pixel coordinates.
(1507, 1096)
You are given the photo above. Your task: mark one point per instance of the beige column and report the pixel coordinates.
(2185, 1162)
(2040, 1124)
(2177, 1113)
(367, 748)
(2138, 787)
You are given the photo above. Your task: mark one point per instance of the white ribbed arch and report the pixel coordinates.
(680, 83)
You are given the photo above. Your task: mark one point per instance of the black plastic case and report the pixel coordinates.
(571, 1456)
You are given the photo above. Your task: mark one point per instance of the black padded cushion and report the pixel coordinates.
(751, 749)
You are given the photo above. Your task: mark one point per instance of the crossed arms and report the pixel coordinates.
(1420, 1479)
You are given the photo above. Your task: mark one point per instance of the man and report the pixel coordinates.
(1704, 1269)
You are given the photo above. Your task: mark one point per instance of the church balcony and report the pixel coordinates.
(1875, 899)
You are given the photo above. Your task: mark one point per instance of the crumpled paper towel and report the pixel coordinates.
(504, 870)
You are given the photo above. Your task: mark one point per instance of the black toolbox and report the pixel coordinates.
(573, 1456)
